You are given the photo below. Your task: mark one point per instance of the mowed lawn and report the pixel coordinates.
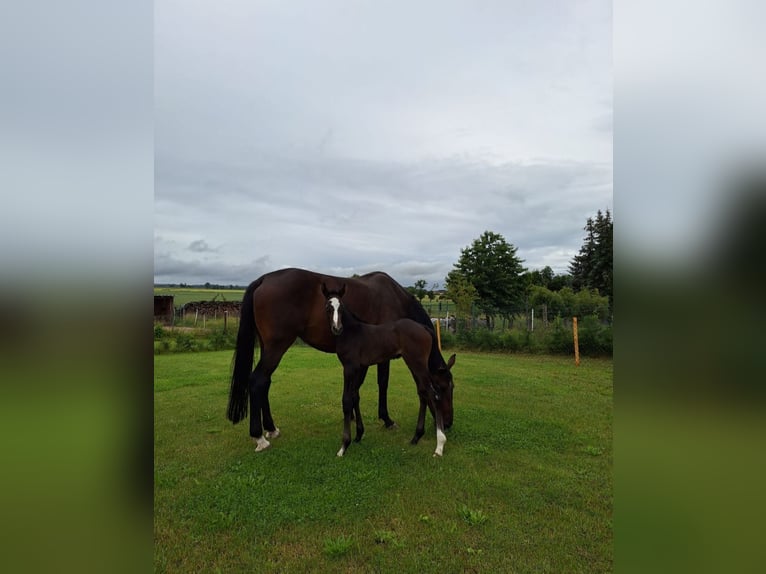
(525, 484)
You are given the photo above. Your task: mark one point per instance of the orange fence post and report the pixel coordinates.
(576, 343)
(438, 335)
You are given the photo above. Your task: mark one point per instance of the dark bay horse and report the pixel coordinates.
(360, 345)
(283, 305)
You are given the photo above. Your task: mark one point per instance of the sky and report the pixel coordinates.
(346, 137)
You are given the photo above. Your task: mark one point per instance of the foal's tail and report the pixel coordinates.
(242, 362)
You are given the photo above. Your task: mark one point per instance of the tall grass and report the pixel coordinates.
(525, 483)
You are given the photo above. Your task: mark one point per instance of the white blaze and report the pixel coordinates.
(335, 303)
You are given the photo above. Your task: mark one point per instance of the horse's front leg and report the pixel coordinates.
(384, 369)
(349, 384)
(420, 429)
(358, 413)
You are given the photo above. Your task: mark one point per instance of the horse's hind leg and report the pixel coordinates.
(383, 373)
(271, 430)
(254, 389)
(260, 410)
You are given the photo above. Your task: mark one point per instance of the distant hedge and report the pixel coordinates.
(556, 338)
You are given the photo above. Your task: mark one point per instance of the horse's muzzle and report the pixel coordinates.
(336, 330)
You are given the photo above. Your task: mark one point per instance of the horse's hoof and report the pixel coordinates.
(437, 454)
(272, 434)
(392, 425)
(341, 452)
(261, 444)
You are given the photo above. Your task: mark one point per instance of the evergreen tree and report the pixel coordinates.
(490, 264)
(592, 267)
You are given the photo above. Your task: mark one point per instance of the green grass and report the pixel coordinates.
(525, 484)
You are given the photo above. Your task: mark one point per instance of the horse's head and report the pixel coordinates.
(333, 306)
(442, 387)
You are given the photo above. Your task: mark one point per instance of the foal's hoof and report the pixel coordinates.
(272, 434)
(437, 454)
(391, 425)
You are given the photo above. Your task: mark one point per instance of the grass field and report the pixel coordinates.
(525, 484)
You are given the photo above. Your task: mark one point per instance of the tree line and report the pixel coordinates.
(490, 276)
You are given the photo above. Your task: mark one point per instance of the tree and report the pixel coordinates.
(419, 289)
(490, 264)
(592, 267)
(462, 293)
(547, 278)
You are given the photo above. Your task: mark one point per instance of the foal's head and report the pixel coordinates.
(332, 308)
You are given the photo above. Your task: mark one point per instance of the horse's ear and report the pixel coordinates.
(451, 361)
(342, 290)
(324, 291)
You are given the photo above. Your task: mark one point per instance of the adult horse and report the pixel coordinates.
(360, 345)
(283, 305)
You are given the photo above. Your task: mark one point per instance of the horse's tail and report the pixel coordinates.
(242, 362)
(419, 314)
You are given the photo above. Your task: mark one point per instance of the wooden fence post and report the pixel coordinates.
(576, 342)
(438, 334)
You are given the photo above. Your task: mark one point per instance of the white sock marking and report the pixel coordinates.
(272, 434)
(341, 451)
(441, 438)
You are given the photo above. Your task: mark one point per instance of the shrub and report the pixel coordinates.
(220, 340)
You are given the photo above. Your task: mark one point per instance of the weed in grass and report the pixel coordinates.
(386, 537)
(340, 546)
(472, 517)
(594, 451)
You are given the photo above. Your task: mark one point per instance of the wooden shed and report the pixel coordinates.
(163, 308)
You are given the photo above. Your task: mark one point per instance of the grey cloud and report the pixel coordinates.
(201, 246)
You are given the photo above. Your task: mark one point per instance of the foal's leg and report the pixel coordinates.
(361, 375)
(441, 438)
(420, 429)
(349, 387)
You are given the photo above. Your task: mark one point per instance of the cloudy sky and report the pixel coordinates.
(346, 137)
